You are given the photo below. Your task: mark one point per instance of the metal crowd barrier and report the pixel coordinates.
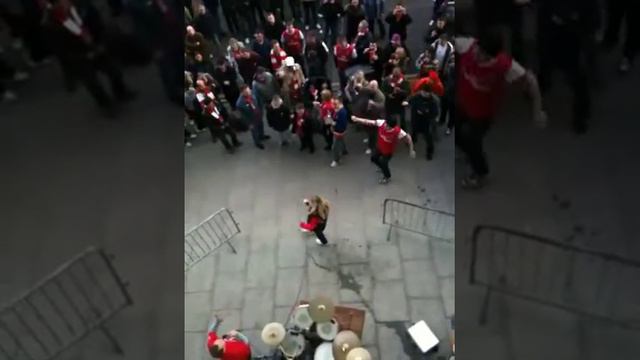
(216, 231)
(65, 307)
(435, 224)
(555, 274)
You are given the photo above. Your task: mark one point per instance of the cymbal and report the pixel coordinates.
(359, 354)
(321, 309)
(344, 342)
(273, 334)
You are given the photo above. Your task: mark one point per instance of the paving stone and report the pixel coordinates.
(264, 236)
(200, 277)
(292, 250)
(413, 246)
(352, 251)
(282, 314)
(194, 348)
(261, 271)
(390, 344)
(375, 232)
(432, 312)
(329, 290)
(228, 262)
(385, 262)
(390, 301)
(449, 295)
(288, 286)
(444, 257)
(231, 320)
(421, 279)
(362, 286)
(258, 308)
(258, 348)
(322, 267)
(197, 311)
(228, 291)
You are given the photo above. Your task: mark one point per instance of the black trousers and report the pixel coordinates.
(328, 136)
(310, 13)
(423, 127)
(306, 143)
(447, 107)
(331, 32)
(568, 56)
(221, 133)
(102, 64)
(470, 135)
(319, 231)
(382, 161)
(617, 10)
(295, 9)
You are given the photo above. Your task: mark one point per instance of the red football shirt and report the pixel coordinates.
(234, 349)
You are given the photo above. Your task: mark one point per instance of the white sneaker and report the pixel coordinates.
(368, 152)
(447, 132)
(334, 164)
(20, 76)
(188, 144)
(319, 242)
(365, 141)
(9, 96)
(193, 136)
(304, 230)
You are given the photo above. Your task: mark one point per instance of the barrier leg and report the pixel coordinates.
(389, 233)
(484, 312)
(114, 342)
(231, 246)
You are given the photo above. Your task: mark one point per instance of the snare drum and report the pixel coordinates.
(301, 318)
(292, 346)
(327, 331)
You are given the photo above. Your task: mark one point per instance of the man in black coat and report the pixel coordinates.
(77, 37)
(398, 21)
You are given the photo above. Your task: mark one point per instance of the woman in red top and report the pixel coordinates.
(231, 346)
(277, 55)
(318, 214)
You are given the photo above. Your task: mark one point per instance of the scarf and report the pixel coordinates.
(73, 23)
(395, 82)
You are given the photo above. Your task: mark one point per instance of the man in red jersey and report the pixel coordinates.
(231, 346)
(483, 71)
(293, 42)
(343, 53)
(389, 133)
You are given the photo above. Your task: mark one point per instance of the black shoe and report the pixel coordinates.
(266, 137)
(384, 181)
(473, 182)
(429, 156)
(312, 151)
(327, 148)
(260, 146)
(284, 143)
(237, 144)
(231, 150)
(579, 128)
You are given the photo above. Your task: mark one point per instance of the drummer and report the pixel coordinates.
(231, 346)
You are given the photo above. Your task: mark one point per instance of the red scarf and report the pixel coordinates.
(72, 21)
(395, 82)
(299, 121)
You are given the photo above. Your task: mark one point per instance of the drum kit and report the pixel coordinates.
(317, 317)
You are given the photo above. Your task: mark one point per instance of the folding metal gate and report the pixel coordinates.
(216, 231)
(75, 300)
(551, 273)
(436, 224)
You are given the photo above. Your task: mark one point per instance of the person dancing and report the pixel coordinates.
(318, 214)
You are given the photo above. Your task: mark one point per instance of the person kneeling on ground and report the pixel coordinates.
(231, 346)
(389, 132)
(318, 214)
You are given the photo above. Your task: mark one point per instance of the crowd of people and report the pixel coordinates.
(88, 43)
(284, 76)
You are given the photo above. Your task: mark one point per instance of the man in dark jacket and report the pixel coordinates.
(354, 14)
(332, 11)
(216, 117)
(424, 112)
(77, 37)
(398, 21)
(263, 48)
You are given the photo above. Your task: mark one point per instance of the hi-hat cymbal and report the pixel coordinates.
(359, 354)
(344, 342)
(273, 334)
(321, 309)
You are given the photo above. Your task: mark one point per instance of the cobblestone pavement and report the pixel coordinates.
(403, 280)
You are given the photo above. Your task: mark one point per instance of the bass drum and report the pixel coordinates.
(292, 346)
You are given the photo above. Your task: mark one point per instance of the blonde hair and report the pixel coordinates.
(326, 94)
(321, 206)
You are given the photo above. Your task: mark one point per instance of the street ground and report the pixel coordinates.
(406, 279)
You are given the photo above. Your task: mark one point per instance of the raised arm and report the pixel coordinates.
(363, 121)
(528, 80)
(409, 141)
